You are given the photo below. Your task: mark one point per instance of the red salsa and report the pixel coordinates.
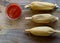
(14, 11)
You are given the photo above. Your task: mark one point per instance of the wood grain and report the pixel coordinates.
(14, 30)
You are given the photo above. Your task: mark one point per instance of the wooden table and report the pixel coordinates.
(13, 31)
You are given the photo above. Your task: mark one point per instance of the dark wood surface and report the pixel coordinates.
(13, 31)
